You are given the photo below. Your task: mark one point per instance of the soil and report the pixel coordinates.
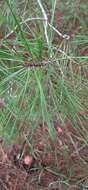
(52, 164)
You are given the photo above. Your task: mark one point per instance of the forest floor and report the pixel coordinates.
(45, 168)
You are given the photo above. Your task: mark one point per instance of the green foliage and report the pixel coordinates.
(41, 81)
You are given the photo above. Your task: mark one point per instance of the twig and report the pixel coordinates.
(65, 36)
(45, 22)
(23, 22)
(3, 185)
